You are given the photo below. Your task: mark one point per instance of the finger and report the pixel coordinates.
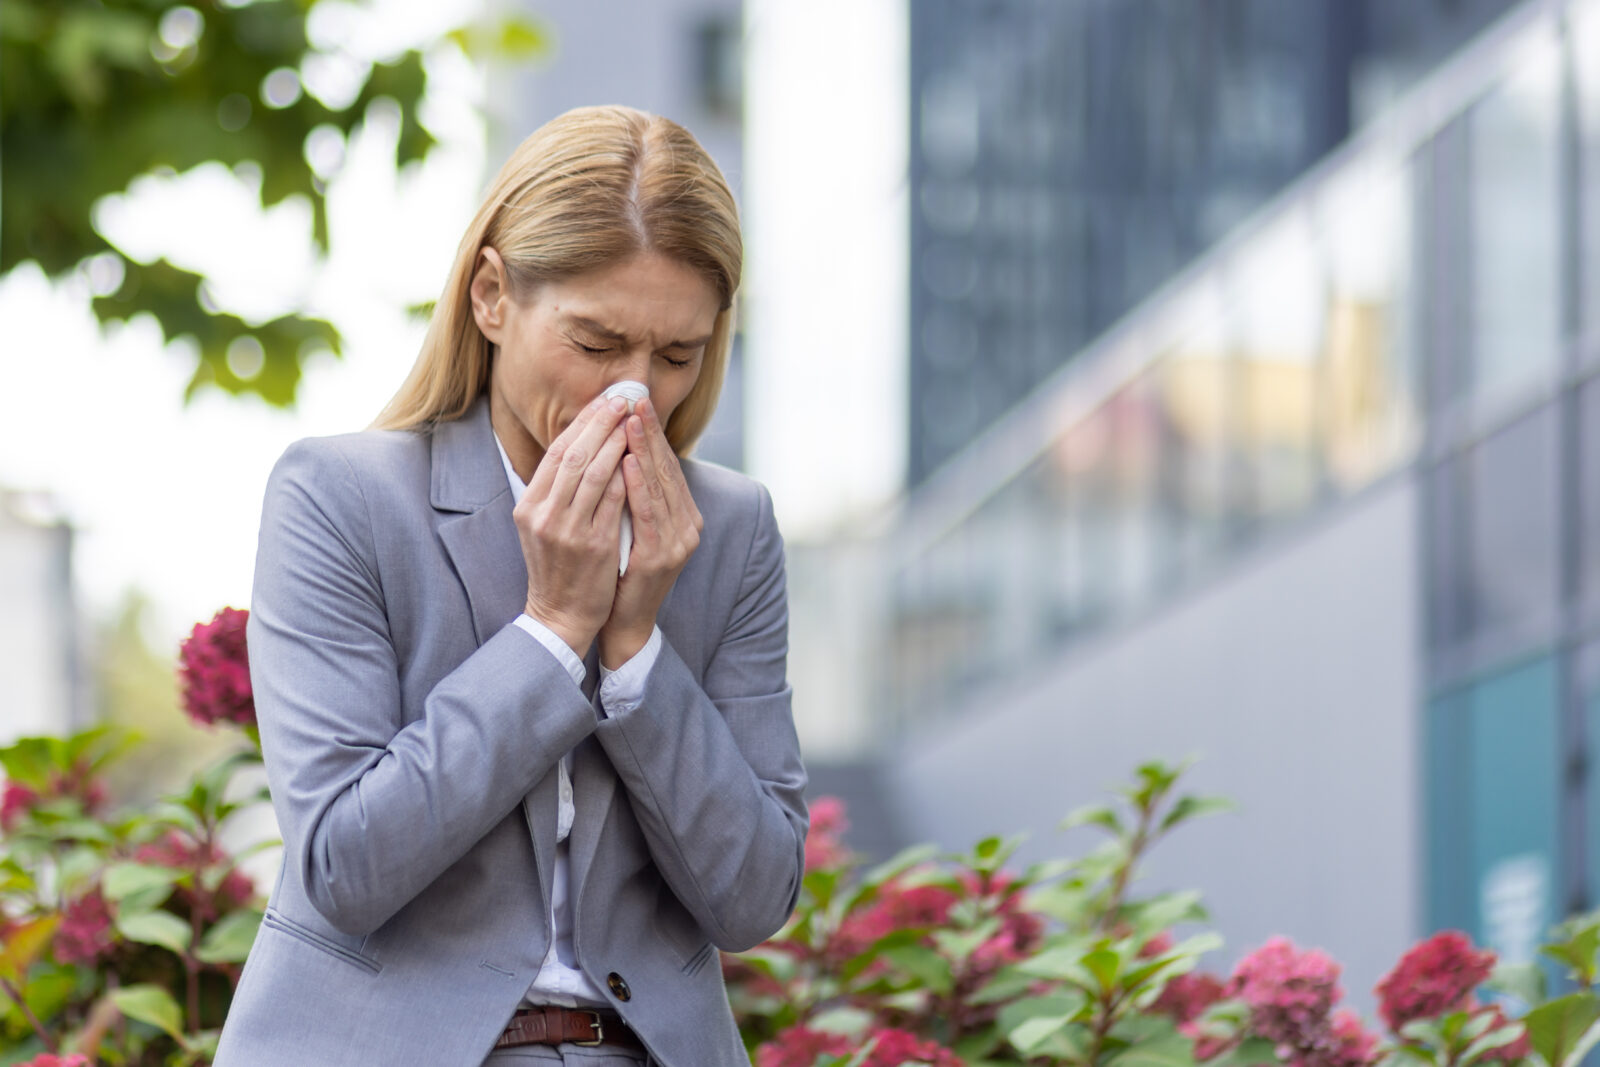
(583, 450)
(668, 471)
(639, 501)
(608, 515)
(654, 452)
(545, 473)
(597, 477)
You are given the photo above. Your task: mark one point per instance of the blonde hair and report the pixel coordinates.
(586, 190)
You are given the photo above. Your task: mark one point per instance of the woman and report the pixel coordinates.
(524, 800)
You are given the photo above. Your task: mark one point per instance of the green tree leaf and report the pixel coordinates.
(230, 939)
(155, 928)
(150, 1004)
(1555, 1028)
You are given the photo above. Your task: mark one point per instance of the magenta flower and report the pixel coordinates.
(50, 1059)
(1186, 997)
(896, 1047)
(824, 841)
(1290, 993)
(1435, 977)
(215, 671)
(84, 935)
(897, 908)
(181, 852)
(1351, 1045)
(16, 801)
(799, 1046)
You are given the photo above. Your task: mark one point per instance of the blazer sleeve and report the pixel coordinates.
(713, 771)
(373, 808)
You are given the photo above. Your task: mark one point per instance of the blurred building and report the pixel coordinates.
(1066, 159)
(677, 58)
(1324, 511)
(42, 683)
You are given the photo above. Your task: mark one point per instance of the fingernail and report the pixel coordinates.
(618, 404)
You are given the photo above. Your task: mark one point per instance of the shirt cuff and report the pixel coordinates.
(558, 648)
(623, 688)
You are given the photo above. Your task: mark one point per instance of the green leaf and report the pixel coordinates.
(1577, 951)
(230, 939)
(150, 1004)
(900, 862)
(1165, 1048)
(1525, 982)
(1555, 1028)
(1105, 964)
(1191, 807)
(152, 883)
(923, 964)
(1103, 815)
(1491, 1040)
(1007, 984)
(1063, 963)
(23, 944)
(1035, 1032)
(155, 928)
(29, 761)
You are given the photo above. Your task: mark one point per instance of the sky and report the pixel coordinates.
(166, 497)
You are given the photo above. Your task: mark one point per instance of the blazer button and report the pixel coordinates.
(618, 987)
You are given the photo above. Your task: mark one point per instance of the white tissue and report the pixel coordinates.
(632, 392)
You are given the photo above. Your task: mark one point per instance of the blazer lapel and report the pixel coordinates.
(594, 786)
(481, 540)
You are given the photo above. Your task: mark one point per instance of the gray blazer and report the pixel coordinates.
(411, 736)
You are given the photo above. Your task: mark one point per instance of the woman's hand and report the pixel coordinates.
(666, 531)
(569, 521)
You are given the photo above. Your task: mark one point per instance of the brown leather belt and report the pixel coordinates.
(550, 1025)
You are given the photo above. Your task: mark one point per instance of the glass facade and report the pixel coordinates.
(1426, 307)
(1069, 158)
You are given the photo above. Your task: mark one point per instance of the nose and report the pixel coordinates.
(635, 368)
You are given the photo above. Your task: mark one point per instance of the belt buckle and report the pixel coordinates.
(599, 1031)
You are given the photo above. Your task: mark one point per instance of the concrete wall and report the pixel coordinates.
(1295, 679)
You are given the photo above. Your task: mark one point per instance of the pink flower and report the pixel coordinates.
(179, 851)
(84, 935)
(50, 1059)
(897, 908)
(1290, 993)
(895, 1047)
(799, 1046)
(215, 671)
(1434, 978)
(824, 841)
(1186, 997)
(15, 802)
(1350, 1044)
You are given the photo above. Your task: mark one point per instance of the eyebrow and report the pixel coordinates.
(607, 334)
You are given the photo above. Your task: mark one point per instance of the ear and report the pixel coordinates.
(491, 295)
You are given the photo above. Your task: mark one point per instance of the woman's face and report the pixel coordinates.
(647, 319)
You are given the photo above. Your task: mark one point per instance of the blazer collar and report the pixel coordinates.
(467, 472)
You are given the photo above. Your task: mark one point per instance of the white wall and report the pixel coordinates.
(1296, 679)
(826, 236)
(38, 687)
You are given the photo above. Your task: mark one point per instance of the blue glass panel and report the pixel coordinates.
(1515, 810)
(1449, 897)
